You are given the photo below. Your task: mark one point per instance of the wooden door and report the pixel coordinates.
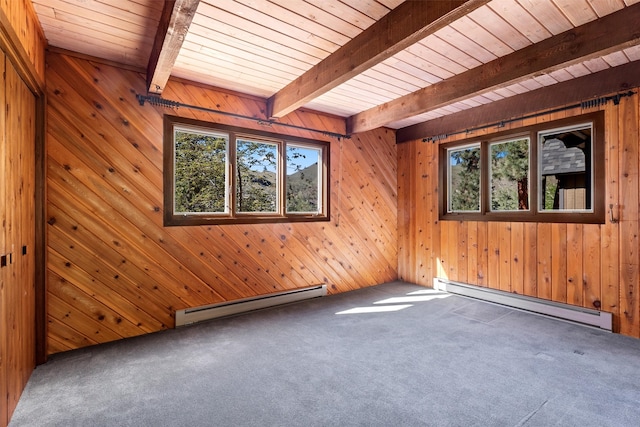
(3, 251)
(17, 238)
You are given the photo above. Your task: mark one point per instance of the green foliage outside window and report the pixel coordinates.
(302, 179)
(218, 174)
(550, 195)
(201, 181)
(546, 172)
(257, 183)
(510, 175)
(200, 178)
(465, 179)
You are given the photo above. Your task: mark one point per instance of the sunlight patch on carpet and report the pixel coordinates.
(379, 309)
(420, 298)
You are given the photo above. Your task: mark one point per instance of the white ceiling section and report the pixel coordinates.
(264, 48)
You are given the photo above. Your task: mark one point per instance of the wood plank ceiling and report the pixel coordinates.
(375, 62)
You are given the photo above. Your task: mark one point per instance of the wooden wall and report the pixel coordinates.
(20, 15)
(21, 53)
(114, 271)
(594, 266)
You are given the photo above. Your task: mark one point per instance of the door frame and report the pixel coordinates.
(16, 54)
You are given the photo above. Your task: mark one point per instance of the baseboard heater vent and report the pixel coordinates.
(584, 316)
(213, 311)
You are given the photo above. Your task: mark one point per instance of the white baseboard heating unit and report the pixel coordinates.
(213, 311)
(581, 315)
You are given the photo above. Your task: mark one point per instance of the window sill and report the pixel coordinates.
(194, 220)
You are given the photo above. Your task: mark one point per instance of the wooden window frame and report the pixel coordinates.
(446, 163)
(595, 216)
(232, 216)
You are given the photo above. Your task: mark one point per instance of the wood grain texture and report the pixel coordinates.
(17, 241)
(400, 28)
(587, 265)
(122, 31)
(562, 50)
(260, 47)
(22, 18)
(609, 233)
(483, 253)
(517, 258)
(114, 271)
(22, 43)
(544, 269)
(4, 249)
(172, 30)
(493, 244)
(629, 187)
(575, 264)
(472, 253)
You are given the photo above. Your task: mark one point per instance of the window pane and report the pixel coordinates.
(566, 169)
(303, 179)
(200, 172)
(464, 179)
(510, 175)
(257, 180)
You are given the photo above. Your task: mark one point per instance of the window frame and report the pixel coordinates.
(463, 147)
(594, 216)
(321, 173)
(507, 139)
(231, 214)
(233, 192)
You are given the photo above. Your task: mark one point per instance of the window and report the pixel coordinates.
(464, 179)
(566, 169)
(216, 174)
(509, 175)
(553, 172)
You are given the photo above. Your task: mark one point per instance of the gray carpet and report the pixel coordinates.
(440, 361)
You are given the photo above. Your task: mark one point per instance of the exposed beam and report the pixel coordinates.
(403, 26)
(606, 82)
(172, 30)
(605, 35)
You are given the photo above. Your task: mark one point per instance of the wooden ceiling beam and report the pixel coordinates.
(172, 30)
(592, 86)
(611, 33)
(403, 26)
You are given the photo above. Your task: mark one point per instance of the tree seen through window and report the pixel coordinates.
(219, 177)
(464, 175)
(200, 172)
(510, 175)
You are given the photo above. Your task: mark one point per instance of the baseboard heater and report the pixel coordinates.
(198, 314)
(584, 316)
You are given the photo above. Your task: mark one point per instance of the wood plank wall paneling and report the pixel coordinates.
(610, 236)
(594, 266)
(114, 271)
(26, 25)
(629, 187)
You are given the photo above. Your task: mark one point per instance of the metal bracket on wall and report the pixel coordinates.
(612, 219)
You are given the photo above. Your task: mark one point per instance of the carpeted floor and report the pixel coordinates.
(391, 355)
